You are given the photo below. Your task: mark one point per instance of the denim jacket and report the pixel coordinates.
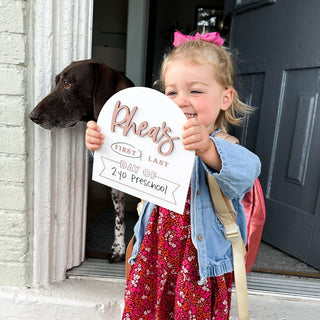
(240, 168)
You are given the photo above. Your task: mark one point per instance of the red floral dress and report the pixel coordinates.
(163, 283)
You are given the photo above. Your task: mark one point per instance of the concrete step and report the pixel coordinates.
(97, 299)
(72, 299)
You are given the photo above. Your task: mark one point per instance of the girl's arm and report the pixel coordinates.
(94, 139)
(240, 167)
(234, 167)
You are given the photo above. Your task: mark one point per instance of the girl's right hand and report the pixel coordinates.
(94, 139)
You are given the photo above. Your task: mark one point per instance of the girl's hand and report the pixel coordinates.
(94, 139)
(196, 137)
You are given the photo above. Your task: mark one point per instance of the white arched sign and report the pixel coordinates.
(143, 153)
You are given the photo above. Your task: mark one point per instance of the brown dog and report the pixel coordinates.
(81, 90)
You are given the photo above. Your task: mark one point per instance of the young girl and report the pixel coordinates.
(182, 264)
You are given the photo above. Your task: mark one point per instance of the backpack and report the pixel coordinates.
(255, 211)
(243, 257)
(254, 207)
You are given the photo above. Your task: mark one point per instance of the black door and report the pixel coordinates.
(279, 64)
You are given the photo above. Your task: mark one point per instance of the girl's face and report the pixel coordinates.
(194, 89)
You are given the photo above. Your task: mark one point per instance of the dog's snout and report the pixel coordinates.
(34, 116)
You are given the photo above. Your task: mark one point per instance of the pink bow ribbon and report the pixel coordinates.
(213, 37)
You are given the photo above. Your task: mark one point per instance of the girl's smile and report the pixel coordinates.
(190, 115)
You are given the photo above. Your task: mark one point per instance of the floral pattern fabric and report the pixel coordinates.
(163, 283)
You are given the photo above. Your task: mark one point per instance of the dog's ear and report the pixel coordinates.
(103, 88)
(107, 83)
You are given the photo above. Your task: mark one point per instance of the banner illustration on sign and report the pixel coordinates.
(143, 153)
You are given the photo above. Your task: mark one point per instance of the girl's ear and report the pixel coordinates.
(227, 98)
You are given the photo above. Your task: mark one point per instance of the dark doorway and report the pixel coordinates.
(108, 46)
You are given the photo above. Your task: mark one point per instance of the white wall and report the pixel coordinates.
(14, 185)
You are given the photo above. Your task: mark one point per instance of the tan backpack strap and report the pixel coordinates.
(226, 214)
(140, 206)
(128, 255)
(130, 244)
(226, 136)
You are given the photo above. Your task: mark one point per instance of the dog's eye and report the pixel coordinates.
(66, 84)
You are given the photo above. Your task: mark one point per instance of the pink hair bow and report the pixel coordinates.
(213, 37)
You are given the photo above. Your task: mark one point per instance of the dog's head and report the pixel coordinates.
(81, 90)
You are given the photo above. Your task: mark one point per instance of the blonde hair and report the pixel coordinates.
(198, 52)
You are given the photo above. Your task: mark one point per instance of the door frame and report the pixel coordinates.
(60, 159)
